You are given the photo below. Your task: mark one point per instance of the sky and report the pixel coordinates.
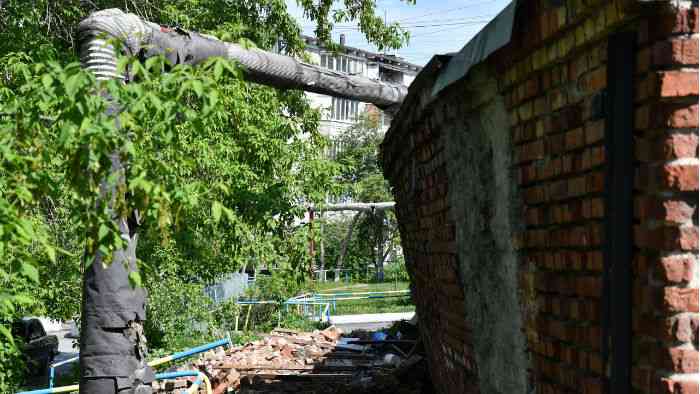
(436, 26)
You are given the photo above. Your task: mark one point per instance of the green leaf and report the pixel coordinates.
(216, 209)
(24, 299)
(51, 252)
(29, 271)
(198, 87)
(135, 279)
(103, 231)
(46, 80)
(229, 215)
(72, 84)
(154, 63)
(122, 64)
(5, 332)
(218, 70)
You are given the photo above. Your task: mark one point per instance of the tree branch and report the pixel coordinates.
(360, 207)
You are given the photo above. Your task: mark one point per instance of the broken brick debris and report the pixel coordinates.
(310, 362)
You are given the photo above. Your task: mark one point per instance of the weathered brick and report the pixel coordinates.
(557, 98)
(681, 177)
(664, 24)
(683, 328)
(594, 261)
(589, 29)
(593, 385)
(643, 60)
(675, 52)
(668, 386)
(574, 139)
(589, 286)
(555, 144)
(679, 328)
(578, 67)
(667, 238)
(675, 270)
(595, 182)
(641, 117)
(532, 87)
(594, 80)
(647, 86)
(680, 359)
(677, 83)
(671, 211)
(668, 177)
(667, 147)
(641, 378)
(540, 108)
(597, 155)
(675, 116)
(576, 186)
(678, 299)
(666, 115)
(594, 131)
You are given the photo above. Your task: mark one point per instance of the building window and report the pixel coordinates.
(341, 63)
(344, 109)
(385, 120)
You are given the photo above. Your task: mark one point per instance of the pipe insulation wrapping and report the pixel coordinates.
(97, 53)
(113, 345)
(287, 72)
(146, 39)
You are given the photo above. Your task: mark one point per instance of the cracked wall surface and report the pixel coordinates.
(485, 210)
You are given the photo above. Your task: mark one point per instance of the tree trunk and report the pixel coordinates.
(312, 244)
(344, 246)
(322, 255)
(379, 256)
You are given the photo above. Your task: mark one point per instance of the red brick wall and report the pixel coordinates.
(560, 159)
(666, 204)
(551, 76)
(428, 239)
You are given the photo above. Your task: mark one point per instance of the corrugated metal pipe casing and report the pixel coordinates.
(140, 37)
(97, 34)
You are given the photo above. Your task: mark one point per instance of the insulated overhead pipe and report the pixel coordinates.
(146, 39)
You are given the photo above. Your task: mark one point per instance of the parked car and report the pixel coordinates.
(39, 348)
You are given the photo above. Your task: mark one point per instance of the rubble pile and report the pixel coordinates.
(314, 362)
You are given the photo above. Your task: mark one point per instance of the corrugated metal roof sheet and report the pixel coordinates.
(494, 35)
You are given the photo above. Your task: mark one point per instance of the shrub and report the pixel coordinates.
(396, 271)
(179, 315)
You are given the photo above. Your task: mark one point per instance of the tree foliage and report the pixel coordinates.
(377, 32)
(360, 179)
(217, 167)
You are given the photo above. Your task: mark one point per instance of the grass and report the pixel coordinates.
(334, 287)
(373, 305)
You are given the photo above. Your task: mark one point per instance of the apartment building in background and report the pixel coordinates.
(337, 114)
